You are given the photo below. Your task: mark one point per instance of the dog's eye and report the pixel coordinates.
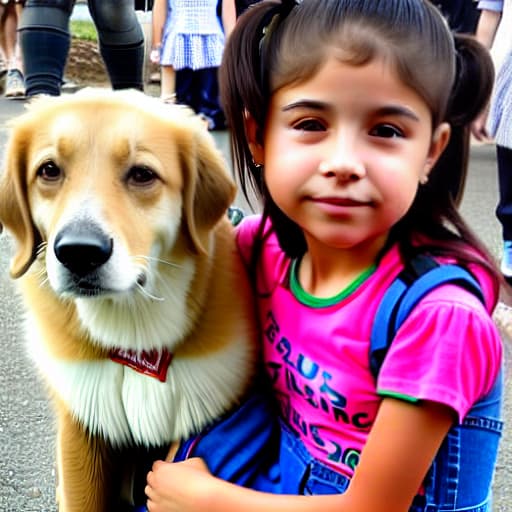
(49, 171)
(141, 175)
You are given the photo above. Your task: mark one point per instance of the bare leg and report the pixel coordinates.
(2, 36)
(168, 84)
(14, 83)
(19, 9)
(10, 25)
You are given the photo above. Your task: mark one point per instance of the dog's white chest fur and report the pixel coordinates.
(124, 406)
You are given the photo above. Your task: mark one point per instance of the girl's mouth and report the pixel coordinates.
(340, 201)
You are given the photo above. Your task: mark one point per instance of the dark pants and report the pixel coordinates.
(199, 90)
(45, 41)
(504, 208)
(462, 15)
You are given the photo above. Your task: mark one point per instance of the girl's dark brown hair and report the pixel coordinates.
(276, 44)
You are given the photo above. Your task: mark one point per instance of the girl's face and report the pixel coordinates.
(344, 152)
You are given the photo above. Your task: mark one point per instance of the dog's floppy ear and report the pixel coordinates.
(14, 209)
(208, 187)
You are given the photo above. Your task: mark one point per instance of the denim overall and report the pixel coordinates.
(459, 479)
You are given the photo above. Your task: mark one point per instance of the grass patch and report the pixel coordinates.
(83, 30)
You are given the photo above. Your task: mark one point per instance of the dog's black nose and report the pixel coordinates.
(82, 249)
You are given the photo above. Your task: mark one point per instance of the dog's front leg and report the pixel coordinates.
(86, 476)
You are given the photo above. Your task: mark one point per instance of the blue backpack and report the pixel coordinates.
(243, 448)
(421, 275)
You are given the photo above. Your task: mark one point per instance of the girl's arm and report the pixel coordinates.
(159, 17)
(487, 27)
(400, 449)
(228, 16)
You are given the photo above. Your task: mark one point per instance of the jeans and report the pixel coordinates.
(302, 474)
(45, 42)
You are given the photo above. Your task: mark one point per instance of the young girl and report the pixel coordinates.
(188, 41)
(340, 111)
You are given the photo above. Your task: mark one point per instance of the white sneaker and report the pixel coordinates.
(506, 259)
(14, 84)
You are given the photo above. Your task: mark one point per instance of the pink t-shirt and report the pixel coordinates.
(316, 352)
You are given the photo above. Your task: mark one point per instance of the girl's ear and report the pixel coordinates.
(440, 139)
(254, 139)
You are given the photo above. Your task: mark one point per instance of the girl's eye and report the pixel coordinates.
(386, 131)
(49, 171)
(309, 125)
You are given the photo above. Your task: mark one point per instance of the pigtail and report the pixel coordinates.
(472, 88)
(245, 90)
(435, 212)
(474, 80)
(241, 89)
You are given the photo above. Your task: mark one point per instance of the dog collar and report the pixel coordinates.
(154, 363)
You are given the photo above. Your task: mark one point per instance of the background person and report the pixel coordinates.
(45, 42)
(494, 32)
(161, 17)
(10, 12)
(190, 46)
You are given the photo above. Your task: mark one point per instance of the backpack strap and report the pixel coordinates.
(420, 276)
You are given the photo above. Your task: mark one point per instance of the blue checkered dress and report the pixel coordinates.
(193, 36)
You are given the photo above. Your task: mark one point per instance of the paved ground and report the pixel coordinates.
(27, 476)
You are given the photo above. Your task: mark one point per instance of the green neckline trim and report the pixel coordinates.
(399, 396)
(320, 302)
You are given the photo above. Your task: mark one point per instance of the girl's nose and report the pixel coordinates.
(343, 163)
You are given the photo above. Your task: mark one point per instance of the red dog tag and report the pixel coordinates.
(154, 363)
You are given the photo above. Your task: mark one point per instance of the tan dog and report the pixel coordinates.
(138, 312)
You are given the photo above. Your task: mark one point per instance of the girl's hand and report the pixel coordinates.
(154, 56)
(178, 486)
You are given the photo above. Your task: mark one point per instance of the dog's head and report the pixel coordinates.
(109, 179)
